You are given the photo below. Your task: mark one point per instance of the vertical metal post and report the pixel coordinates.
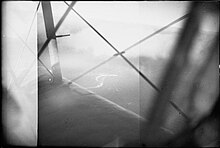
(52, 46)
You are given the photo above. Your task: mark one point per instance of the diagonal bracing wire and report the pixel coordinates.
(56, 28)
(31, 65)
(157, 32)
(48, 40)
(120, 53)
(136, 69)
(29, 30)
(31, 51)
(131, 46)
(93, 68)
(46, 43)
(53, 34)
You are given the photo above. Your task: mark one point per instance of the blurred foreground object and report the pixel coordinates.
(191, 81)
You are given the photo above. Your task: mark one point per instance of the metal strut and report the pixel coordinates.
(52, 45)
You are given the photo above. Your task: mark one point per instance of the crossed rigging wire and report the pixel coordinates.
(128, 48)
(45, 44)
(115, 55)
(118, 53)
(24, 41)
(31, 52)
(121, 54)
(55, 29)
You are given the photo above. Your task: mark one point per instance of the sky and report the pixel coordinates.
(119, 13)
(122, 23)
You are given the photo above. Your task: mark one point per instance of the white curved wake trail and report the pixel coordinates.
(101, 78)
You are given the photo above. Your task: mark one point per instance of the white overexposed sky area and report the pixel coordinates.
(122, 23)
